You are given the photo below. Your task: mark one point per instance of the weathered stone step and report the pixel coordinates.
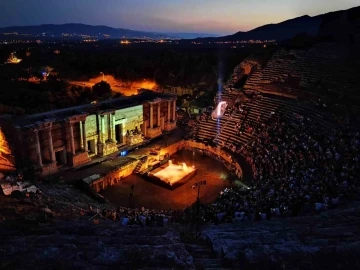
(202, 250)
(206, 263)
(216, 268)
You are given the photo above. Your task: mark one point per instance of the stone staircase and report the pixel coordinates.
(140, 164)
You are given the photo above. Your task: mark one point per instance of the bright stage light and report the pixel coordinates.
(173, 173)
(220, 110)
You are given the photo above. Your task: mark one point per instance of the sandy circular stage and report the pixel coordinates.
(150, 195)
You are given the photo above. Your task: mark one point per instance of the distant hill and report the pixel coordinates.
(78, 31)
(334, 23)
(189, 35)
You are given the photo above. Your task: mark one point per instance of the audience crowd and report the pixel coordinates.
(296, 169)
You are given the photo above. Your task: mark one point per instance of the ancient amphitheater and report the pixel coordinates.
(301, 210)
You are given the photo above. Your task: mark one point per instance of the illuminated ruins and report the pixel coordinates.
(73, 135)
(5, 154)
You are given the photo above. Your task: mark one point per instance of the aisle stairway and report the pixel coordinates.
(139, 165)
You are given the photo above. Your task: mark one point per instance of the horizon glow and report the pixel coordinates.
(171, 16)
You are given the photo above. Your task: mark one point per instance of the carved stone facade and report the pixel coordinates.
(159, 116)
(72, 136)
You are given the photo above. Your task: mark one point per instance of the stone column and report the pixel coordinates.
(110, 127)
(84, 141)
(51, 147)
(102, 129)
(72, 138)
(174, 111)
(158, 114)
(169, 111)
(38, 149)
(151, 115)
(145, 129)
(81, 136)
(100, 136)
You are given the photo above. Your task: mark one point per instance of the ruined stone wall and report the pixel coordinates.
(58, 135)
(91, 126)
(163, 108)
(106, 128)
(155, 115)
(163, 113)
(114, 176)
(172, 149)
(217, 152)
(44, 143)
(177, 90)
(146, 114)
(77, 137)
(29, 146)
(130, 118)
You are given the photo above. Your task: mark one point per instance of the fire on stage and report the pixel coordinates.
(171, 175)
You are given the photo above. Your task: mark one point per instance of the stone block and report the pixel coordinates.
(170, 126)
(109, 148)
(49, 169)
(79, 159)
(133, 139)
(154, 132)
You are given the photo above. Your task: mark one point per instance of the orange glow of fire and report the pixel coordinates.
(125, 87)
(4, 147)
(5, 163)
(144, 84)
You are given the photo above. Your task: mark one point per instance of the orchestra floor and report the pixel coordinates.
(152, 196)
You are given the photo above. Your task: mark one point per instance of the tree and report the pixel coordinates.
(102, 90)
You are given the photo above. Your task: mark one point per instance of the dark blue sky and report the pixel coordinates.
(210, 16)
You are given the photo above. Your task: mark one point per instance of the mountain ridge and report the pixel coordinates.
(288, 29)
(57, 31)
(338, 24)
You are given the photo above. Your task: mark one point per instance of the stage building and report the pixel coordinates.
(73, 135)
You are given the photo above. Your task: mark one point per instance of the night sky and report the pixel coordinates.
(206, 16)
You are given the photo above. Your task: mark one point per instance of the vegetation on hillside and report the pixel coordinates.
(176, 67)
